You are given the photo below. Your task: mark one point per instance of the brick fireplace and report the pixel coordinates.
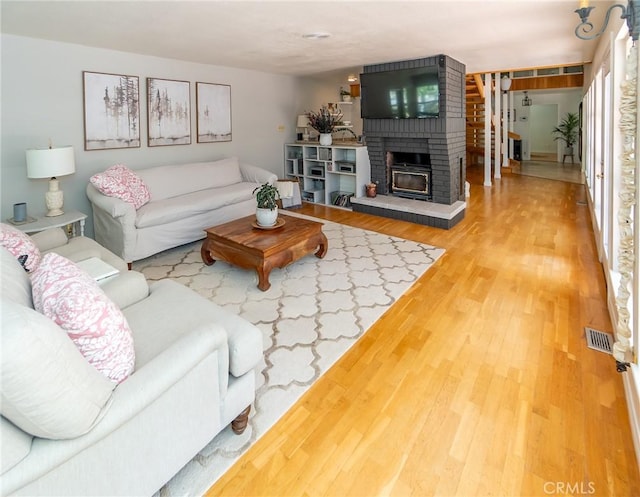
(442, 140)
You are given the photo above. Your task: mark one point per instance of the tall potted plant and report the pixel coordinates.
(567, 131)
(267, 210)
(324, 122)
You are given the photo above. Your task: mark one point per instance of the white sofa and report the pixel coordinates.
(185, 200)
(193, 376)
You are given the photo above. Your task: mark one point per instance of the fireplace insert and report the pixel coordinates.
(409, 174)
(411, 182)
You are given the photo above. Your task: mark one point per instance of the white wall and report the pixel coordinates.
(42, 99)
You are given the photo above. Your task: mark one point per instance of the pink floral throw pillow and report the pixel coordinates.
(121, 182)
(21, 246)
(73, 300)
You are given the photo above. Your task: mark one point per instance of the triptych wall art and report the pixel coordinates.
(112, 112)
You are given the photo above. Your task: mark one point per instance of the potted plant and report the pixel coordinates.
(267, 209)
(324, 122)
(345, 95)
(567, 131)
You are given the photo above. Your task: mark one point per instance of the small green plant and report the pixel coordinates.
(267, 196)
(567, 130)
(344, 92)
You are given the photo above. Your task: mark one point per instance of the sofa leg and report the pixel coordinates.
(239, 424)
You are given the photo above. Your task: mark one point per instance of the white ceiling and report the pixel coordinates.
(485, 35)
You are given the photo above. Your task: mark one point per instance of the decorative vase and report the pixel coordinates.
(371, 190)
(266, 217)
(325, 139)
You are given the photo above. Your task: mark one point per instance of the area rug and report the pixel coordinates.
(315, 310)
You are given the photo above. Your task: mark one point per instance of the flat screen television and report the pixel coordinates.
(400, 94)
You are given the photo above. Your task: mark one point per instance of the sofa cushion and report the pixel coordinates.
(121, 182)
(14, 280)
(47, 388)
(20, 245)
(15, 446)
(171, 181)
(191, 204)
(74, 301)
(154, 322)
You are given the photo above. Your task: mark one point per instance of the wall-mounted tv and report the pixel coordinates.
(400, 94)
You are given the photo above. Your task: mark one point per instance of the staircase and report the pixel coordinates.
(475, 123)
(475, 119)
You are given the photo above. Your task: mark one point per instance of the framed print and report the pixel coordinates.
(213, 103)
(169, 112)
(111, 111)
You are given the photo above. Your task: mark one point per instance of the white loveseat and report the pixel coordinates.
(193, 376)
(185, 200)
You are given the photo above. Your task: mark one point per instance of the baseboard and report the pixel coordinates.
(631, 381)
(631, 378)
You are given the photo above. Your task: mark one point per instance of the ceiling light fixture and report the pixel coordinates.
(352, 78)
(505, 84)
(319, 35)
(584, 29)
(526, 101)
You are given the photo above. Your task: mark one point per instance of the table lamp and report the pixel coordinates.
(303, 122)
(51, 163)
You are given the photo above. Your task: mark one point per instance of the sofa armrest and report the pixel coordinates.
(113, 223)
(49, 239)
(126, 288)
(113, 206)
(255, 174)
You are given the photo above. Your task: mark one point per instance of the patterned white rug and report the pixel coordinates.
(313, 313)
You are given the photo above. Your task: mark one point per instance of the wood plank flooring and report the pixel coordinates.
(550, 170)
(477, 381)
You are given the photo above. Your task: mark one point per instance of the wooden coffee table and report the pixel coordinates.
(241, 244)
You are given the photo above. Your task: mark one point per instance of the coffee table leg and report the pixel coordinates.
(205, 254)
(263, 277)
(324, 245)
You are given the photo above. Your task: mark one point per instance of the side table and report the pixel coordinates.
(75, 218)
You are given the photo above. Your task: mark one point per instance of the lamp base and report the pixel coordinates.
(54, 199)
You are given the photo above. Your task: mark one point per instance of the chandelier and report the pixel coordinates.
(526, 101)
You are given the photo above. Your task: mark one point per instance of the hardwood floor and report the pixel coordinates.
(477, 381)
(551, 170)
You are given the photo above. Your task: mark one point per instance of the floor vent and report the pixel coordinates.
(599, 340)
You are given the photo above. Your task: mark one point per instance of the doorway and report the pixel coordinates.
(542, 119)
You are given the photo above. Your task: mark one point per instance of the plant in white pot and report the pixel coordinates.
(267, 197)
(345, 95)
(324, 122)
(567, 131)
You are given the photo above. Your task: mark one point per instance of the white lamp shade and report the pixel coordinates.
(303, 121)
(50, 162)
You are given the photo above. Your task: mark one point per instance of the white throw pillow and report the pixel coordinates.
(47, 388)
(73, 300)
